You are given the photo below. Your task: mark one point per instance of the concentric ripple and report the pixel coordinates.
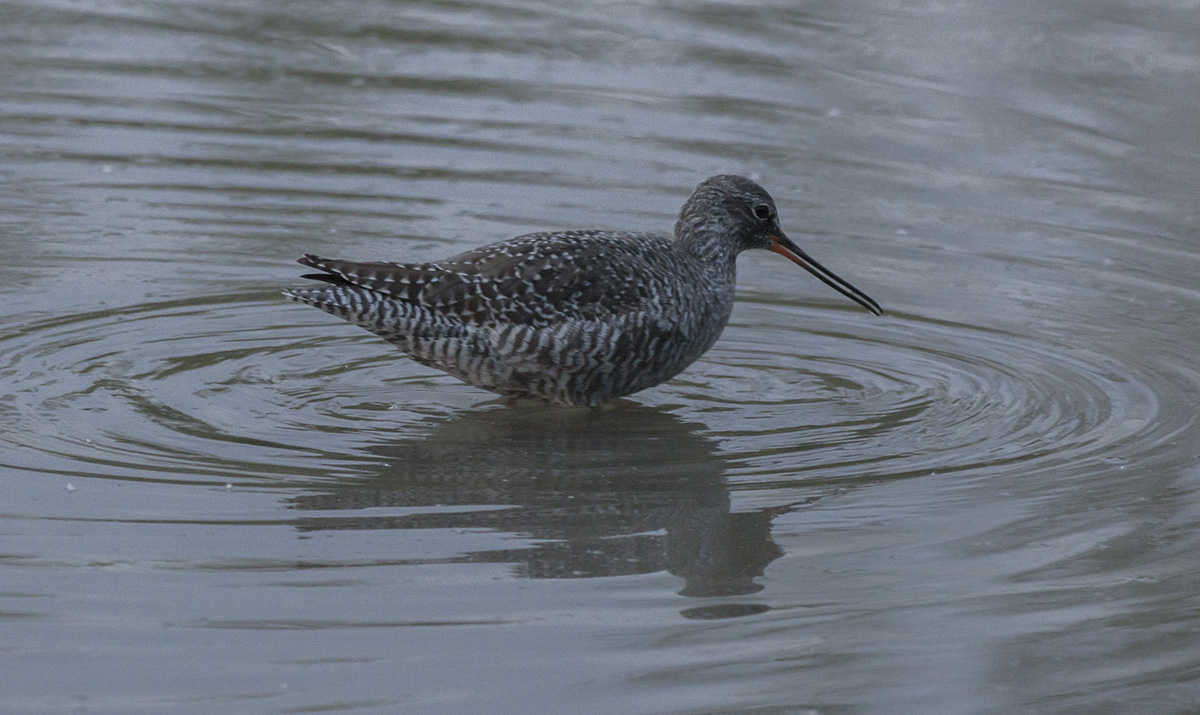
(247, 387)
(796, 390)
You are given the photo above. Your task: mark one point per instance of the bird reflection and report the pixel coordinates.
(619, 492)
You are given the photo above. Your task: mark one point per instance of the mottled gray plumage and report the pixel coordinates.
(570, 317)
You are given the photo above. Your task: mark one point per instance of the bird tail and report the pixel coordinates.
(342, 297)
(429, 337)
(402, 322)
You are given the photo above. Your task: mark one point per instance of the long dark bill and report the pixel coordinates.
(783, 246)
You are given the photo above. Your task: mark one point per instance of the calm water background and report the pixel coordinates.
(986, 501)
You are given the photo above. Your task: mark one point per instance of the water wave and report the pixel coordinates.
(246, 387)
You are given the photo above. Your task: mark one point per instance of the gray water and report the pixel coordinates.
(985, 501)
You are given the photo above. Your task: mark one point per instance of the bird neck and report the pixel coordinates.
(712, 246)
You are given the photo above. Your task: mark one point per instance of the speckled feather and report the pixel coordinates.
(570, 317)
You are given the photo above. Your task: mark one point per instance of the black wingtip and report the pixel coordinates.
(327, 278)
(310, 260)
(327, 274)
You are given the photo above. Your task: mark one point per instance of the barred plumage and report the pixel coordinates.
(570, 317)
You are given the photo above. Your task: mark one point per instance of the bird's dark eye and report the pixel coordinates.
(762, 211)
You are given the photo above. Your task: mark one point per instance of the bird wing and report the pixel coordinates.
(529, 280)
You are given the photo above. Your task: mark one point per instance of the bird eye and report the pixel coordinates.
(762, 211)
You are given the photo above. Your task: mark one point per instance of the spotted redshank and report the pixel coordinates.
(570, 317)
